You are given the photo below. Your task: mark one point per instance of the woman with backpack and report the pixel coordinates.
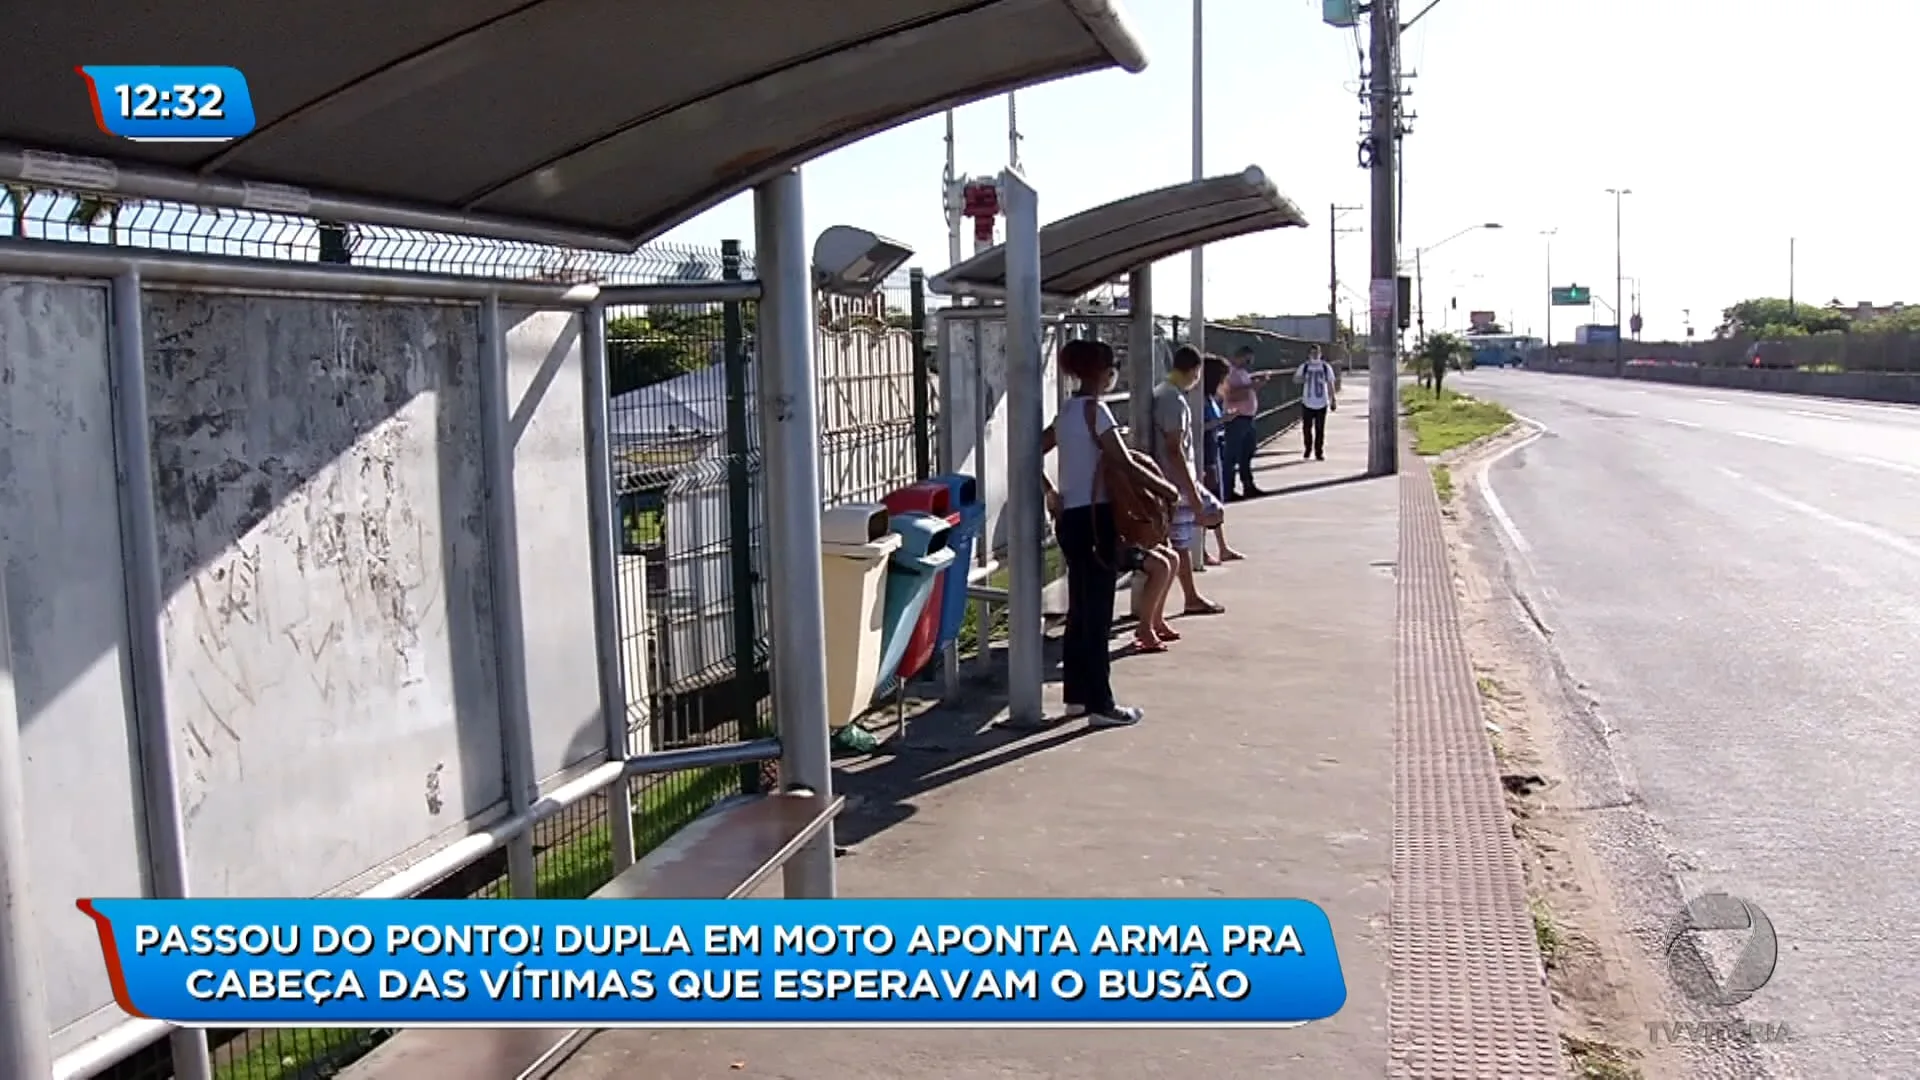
(1110, 507)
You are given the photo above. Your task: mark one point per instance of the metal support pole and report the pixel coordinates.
(1026, 664)
(746, 632)
(24, 1049)
(1140, 366)
(146, 603)
(1197, 330)
(604, 552)
(1383, 362)
(983, 545)
(790, 448)
(503, 564)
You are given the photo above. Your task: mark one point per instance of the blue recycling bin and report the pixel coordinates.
(913, 570)
(964, 500)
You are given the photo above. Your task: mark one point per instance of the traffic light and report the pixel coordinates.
(1406, 302)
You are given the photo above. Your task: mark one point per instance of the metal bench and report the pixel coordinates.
(724, 854)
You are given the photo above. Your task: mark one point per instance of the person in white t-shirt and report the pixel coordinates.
(1085, 435)
(1318, 389)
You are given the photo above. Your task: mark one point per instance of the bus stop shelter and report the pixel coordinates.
(584, 124)
(1077, 254)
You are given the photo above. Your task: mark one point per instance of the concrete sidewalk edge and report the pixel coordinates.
(1467, 995)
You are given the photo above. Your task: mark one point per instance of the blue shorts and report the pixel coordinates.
(1180, 535)
(1185, 520)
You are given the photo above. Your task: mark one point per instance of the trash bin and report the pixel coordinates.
(912, 574)
(969, 514)
(928, 497)
(855, 544)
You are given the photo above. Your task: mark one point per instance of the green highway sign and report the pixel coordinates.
(1572, 296)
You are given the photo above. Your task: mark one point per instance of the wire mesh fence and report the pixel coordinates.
(44, 214)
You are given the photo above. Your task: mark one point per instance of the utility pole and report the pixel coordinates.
(1383, 363)
(1334, 210)
(1419, 301)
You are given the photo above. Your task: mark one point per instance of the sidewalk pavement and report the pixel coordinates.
(1265, 767)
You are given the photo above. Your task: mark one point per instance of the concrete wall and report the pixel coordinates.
(330, 658)
(1858, 386)
(60, 537)
(1857, 353)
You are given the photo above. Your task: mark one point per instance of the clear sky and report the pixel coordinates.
(1739, 126)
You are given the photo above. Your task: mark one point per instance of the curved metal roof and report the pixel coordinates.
(1082, 252)
(609, 118)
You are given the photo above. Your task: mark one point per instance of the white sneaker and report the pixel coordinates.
(1118, 716)
(1073, 712)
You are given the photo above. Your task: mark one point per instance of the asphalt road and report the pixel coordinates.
(1732, 582)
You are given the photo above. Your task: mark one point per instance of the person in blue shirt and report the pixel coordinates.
(1215, 434)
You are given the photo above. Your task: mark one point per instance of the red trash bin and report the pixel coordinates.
(926, 497)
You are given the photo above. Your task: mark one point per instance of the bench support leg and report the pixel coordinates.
(790, 447)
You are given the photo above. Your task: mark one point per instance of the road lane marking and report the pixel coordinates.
(1681, 423)
(1494, 506)
(1708, 401)
(1818, 415)
(1776, 440)
(1883, 463)
(1859, 528)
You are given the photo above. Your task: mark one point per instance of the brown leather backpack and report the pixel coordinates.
(1141, 517)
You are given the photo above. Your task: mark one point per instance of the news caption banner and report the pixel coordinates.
(669, 963)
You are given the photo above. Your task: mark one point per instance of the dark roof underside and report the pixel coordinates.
(1082, 252)
(617, 117)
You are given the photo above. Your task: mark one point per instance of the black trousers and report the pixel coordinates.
(1089, 545)
(1242, 441)
(1313, 430)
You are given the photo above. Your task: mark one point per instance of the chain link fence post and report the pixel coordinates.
(746, 637)
(922, 375)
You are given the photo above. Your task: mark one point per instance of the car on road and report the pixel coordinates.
(1771, 354)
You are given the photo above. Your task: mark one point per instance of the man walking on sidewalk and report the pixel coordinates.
(1317, 398)
(1243, 404)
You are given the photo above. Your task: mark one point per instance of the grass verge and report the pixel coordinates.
(1443, 483)
(1448, 420)
(1592, 1060)
(1545, 933)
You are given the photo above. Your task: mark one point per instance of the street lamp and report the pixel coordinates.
(1550, 234)
(1419, 282)
(1619, 279)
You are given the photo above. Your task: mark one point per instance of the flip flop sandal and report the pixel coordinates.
(1168, 635)
(1207, 609)
(1143, 647)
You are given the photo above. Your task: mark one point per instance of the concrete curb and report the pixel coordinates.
(1467, 995)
